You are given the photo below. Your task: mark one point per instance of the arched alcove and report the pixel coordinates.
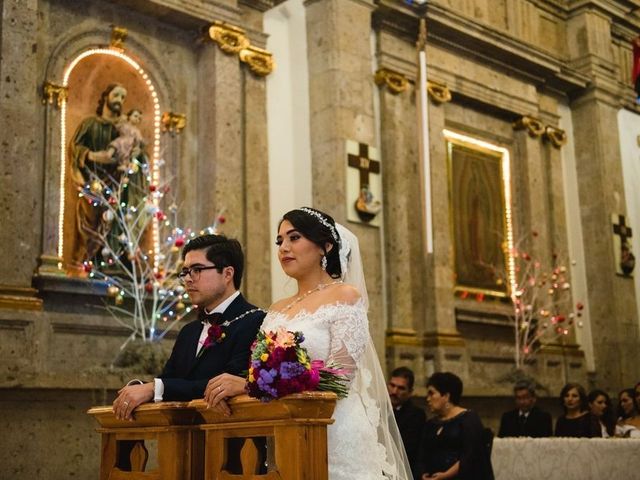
(82, 67)
(86, 78)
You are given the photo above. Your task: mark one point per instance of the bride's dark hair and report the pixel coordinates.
(312, 228)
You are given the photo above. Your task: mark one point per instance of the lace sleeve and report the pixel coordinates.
(349, 331)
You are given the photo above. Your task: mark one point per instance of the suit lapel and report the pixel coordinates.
(194, 338)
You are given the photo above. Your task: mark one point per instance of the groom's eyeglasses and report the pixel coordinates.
(193, 272)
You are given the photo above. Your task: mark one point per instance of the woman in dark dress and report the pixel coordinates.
(453, 442)
(577, 421)
(601, 408)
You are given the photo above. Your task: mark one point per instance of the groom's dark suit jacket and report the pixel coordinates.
(185, 377)
(537, 424)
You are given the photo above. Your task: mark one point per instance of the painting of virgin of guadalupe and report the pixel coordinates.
(478, 218)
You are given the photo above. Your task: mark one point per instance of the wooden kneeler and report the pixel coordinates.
(295, 428)
(170, 424)
(193, 440)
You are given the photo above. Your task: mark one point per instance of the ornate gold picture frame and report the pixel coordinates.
(480, 214)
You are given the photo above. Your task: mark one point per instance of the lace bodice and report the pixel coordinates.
(336, 332)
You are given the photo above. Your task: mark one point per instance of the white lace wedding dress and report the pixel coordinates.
(340, 333)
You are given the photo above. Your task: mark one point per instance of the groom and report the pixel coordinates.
(217, 342)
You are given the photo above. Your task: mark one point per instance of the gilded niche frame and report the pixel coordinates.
(480, 215)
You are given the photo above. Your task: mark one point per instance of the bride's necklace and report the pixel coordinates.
(299, 298)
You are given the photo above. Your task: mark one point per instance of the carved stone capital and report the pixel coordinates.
(230, 39)
(394, 81)
(438, 92)
(258, 60)
(173, 122)
(556, 136)
(118, 36)
(534, 126)
(51, 91)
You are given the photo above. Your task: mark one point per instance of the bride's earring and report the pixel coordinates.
(323, 263)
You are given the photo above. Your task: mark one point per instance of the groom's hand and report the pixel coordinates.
(221, 387)
(129, 398)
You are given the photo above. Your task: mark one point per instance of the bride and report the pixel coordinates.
(330, 309)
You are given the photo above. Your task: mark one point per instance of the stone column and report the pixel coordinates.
(441, 336)
(341, 105)
(220, 164)
(612, 299)
(530, 186)
(258, 232)
(403, 253)
(21, 166)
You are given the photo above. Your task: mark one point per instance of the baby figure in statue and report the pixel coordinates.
(330, 309)
(129, 143)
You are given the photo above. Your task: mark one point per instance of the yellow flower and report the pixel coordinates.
(264, 357)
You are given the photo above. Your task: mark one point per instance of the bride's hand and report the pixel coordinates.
(221, 387)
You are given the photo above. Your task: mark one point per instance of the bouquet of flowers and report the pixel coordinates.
(281, 366)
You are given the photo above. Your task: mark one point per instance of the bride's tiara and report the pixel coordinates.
(323, 221)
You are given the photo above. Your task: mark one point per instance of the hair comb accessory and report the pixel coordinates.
(323, 221)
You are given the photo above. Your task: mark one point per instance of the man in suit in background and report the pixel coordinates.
(217, 342)
(526, 420)
(410, 419)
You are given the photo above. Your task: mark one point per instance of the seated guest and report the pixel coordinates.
(600, 408)
(453, 442)
(628, 418)
(637, 389)
(410, 418)
(526, 420)
(576, 421)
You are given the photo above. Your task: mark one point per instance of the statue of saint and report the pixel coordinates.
(94, 165)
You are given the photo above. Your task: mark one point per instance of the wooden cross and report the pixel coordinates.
(363, 163)
(621, 229)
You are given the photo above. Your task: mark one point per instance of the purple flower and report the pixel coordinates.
(266, 376)
(289, 370)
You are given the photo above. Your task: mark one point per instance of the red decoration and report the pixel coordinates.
(215, 334)
(152, 188)
(221, 219)
(179, 242)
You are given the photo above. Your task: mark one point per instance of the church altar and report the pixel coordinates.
(565, 458)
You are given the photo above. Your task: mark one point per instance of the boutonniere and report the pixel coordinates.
(215, 334)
